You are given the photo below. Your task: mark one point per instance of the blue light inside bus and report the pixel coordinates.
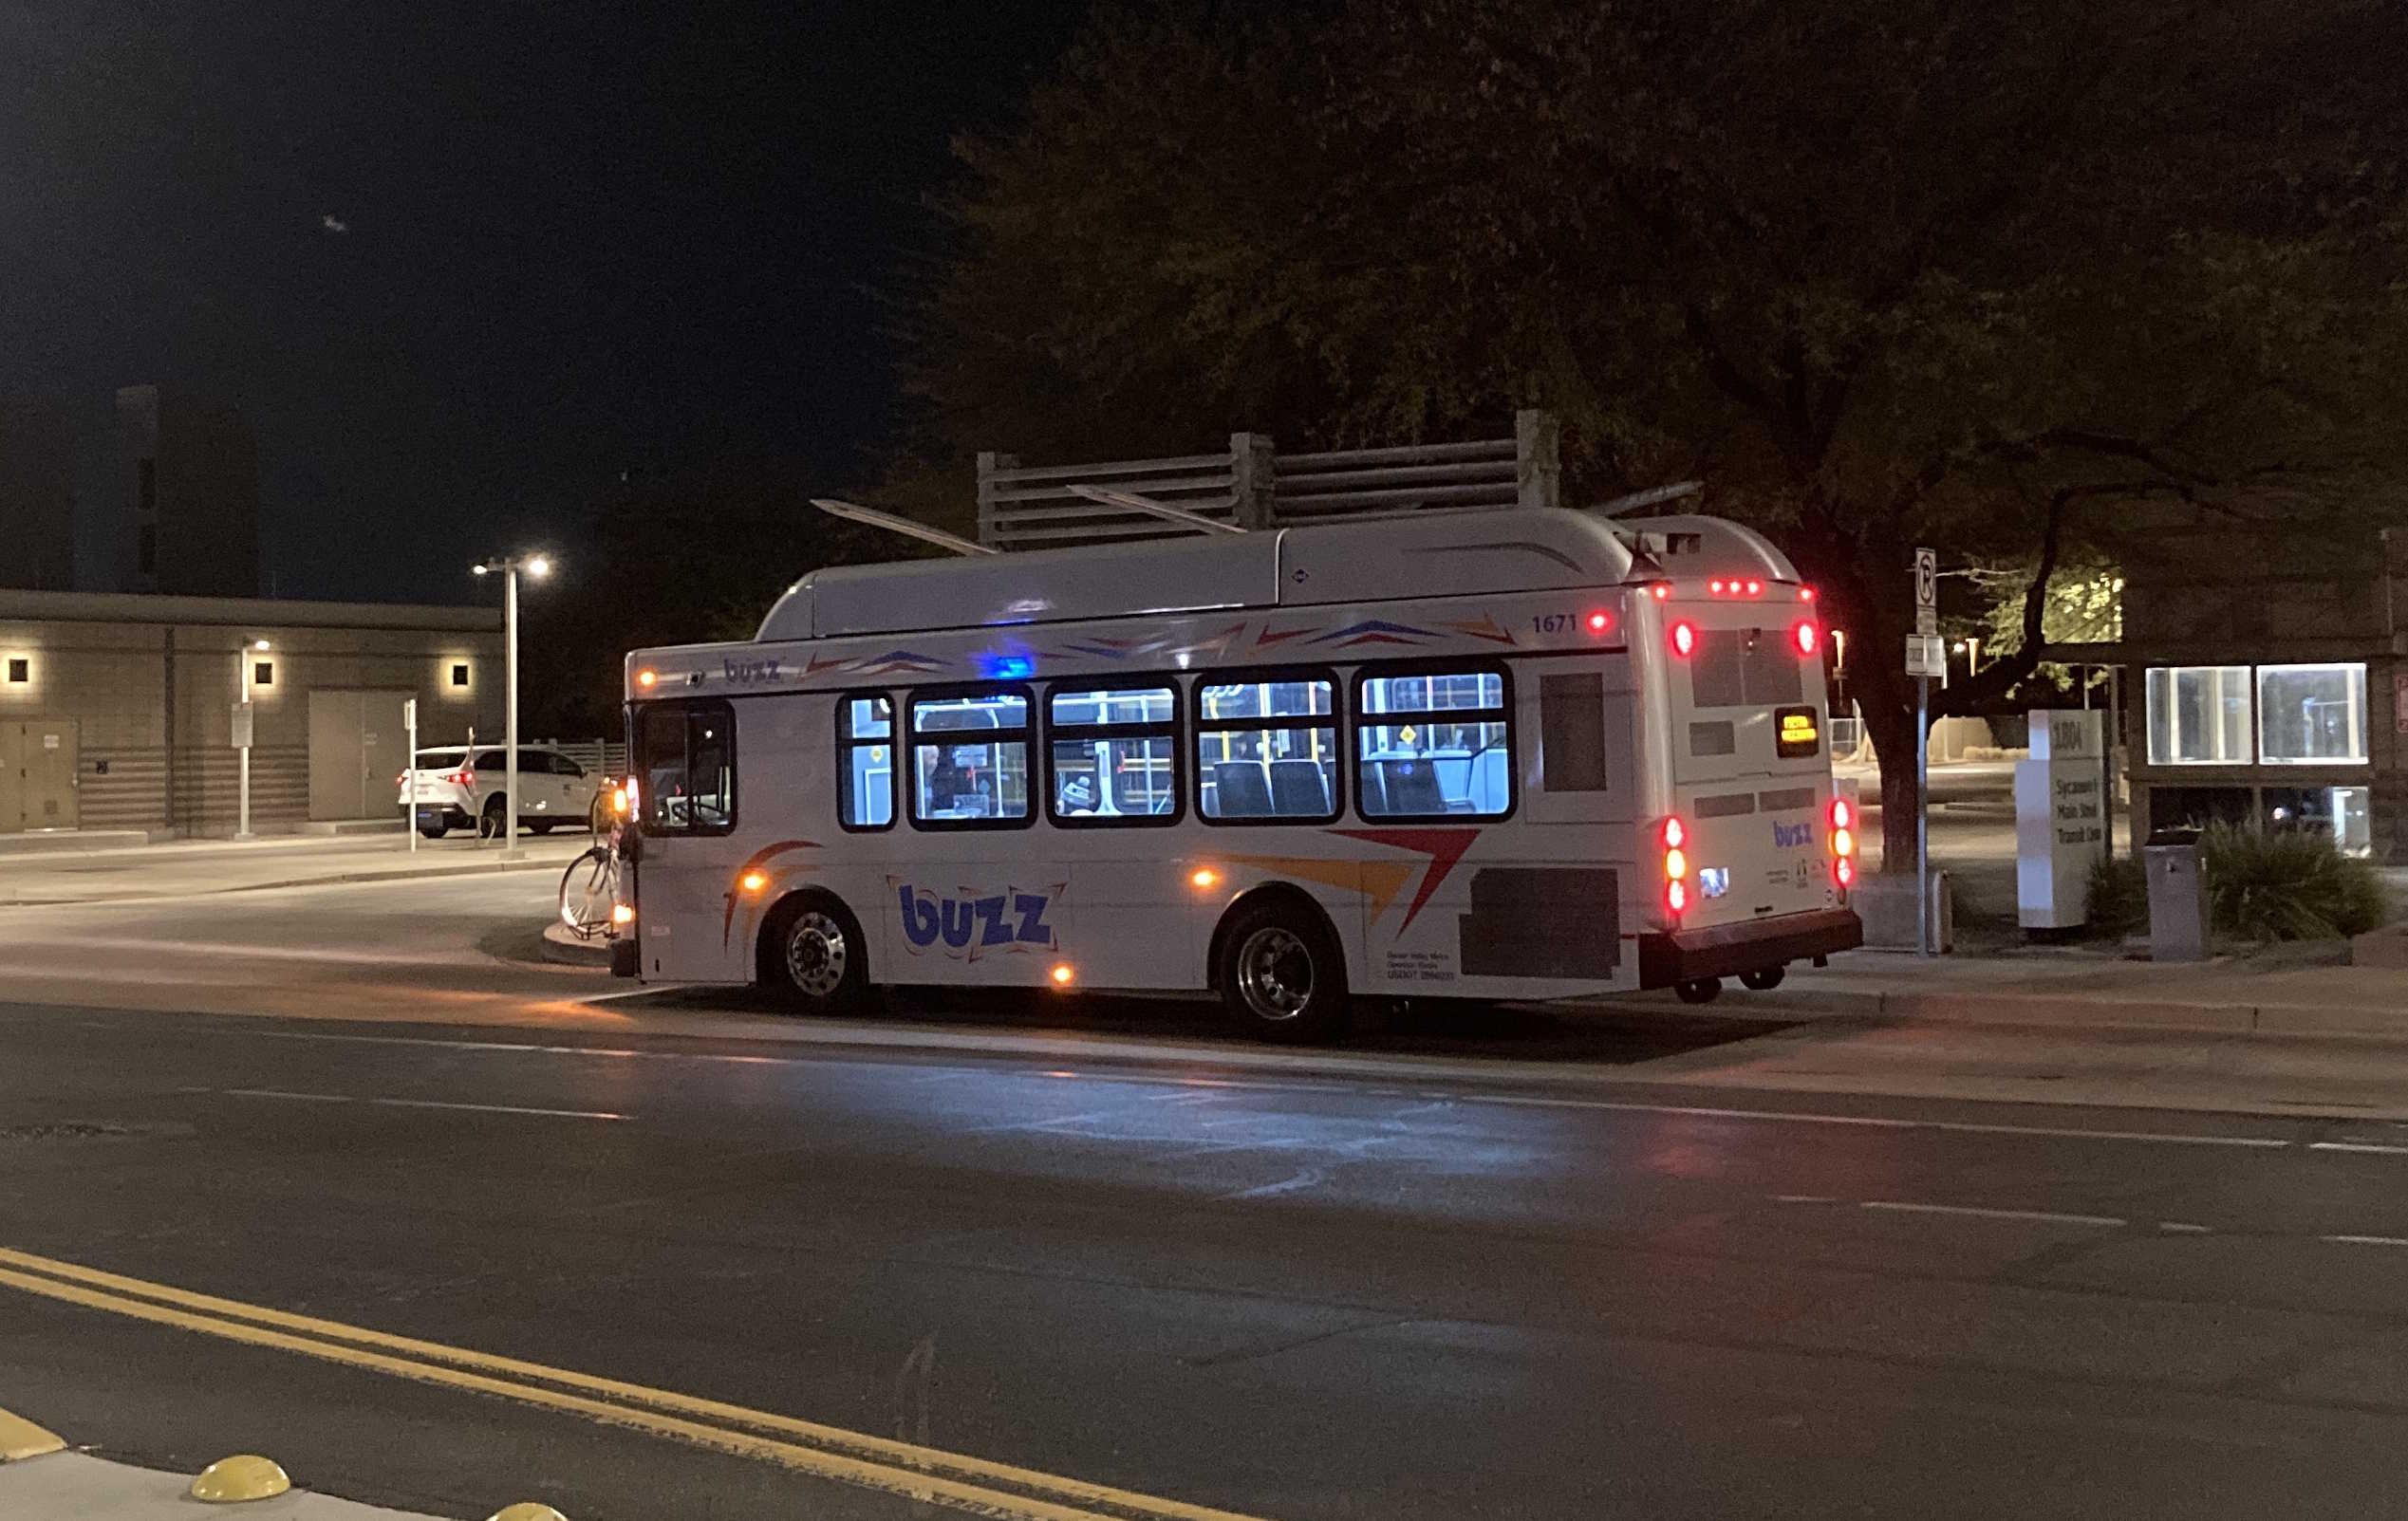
(1005, 667)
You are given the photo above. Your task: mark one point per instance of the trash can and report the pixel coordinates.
(2177, 896)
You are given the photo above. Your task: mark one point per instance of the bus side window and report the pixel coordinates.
(970, 758)
(1112, 756)
(865, 761)
(1433, 743)
(1266, 748)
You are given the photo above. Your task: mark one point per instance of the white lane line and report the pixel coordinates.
(1805, 1198)
(1309, 1178)
(420, 1104)
(2363, 1147)
(624, 992)
(1513, 1099)
(2044, 1216)
(2183, 1228)
(1886, 1122)
(2367, 1240)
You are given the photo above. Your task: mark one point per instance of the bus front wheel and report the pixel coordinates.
(812, 957)
(1282, 974)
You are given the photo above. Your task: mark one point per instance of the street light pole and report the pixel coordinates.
(538, 566)
(242, 720)
(509, 721)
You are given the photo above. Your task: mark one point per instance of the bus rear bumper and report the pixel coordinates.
(1728, 950)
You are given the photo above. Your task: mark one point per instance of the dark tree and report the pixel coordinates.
(1976, 274)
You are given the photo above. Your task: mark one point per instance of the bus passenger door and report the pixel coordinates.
(684, 773)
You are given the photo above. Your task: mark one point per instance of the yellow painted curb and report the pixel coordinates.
(21, 1438)
(527, 1510)
(243, 1476)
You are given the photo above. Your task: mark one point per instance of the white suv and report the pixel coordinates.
(459, 788)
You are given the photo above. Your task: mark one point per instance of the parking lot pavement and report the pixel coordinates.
(225, 865)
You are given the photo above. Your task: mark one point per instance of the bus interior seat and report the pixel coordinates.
(1244, 789)
(1299, 789)
(1411, 787)
(1488, 790)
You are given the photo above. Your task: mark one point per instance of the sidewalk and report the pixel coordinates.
(185, 867)
(2281, 994)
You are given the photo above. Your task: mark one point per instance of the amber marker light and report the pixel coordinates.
(1061, 974)
(1205, 877)
(754, 881)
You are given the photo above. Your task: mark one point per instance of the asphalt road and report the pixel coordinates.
(1552, 1268)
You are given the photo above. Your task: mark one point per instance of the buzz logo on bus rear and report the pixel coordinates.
(1793, 836)
(968, 924)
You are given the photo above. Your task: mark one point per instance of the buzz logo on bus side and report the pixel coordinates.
(745, 673)
(973, 924)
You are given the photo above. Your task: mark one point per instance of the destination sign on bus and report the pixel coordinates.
(1797, 732)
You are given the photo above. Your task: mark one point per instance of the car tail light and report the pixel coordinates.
(1673, 835)
(461, 778)
(1843, 843)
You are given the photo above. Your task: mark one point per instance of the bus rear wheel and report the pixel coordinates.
(1698, 990)
(1764, 980)
(813, 958)
(1282, 976)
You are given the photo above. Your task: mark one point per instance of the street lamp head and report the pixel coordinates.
(477, 569)
(539, 566)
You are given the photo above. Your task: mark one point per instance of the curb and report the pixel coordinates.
(2027, 1011)
(564, 948)
(480, 868)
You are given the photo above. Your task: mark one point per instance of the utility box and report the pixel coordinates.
(2061, 820)
(2177, 896)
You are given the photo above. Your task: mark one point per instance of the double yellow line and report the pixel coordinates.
(973, 1484)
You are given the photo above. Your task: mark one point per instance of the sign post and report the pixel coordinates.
(409, 763)
(1926, 653)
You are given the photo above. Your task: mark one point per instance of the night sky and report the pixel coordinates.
(462, 264)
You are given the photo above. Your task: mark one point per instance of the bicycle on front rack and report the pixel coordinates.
(589, 888)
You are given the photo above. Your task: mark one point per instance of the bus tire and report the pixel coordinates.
(813, 957)
(1282, 974)
(1698, 990)
(1765, 979)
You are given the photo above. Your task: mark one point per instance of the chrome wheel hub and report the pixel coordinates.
(815, 954)
(1275, 974)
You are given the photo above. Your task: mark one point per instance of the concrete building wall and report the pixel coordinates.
(37, 495)
(153, 697)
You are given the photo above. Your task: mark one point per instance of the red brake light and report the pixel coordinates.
(1659, 591)
(1805, 594)
(1807, 637)
(461, 778)
(1843, 871)
(1599, 621)
(1842, 816)
(1676, 896)
(1675, 834)
(1684, 638)
(1715, 587)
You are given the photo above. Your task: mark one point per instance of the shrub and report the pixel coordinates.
(2287, 884)
(2119, 903)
